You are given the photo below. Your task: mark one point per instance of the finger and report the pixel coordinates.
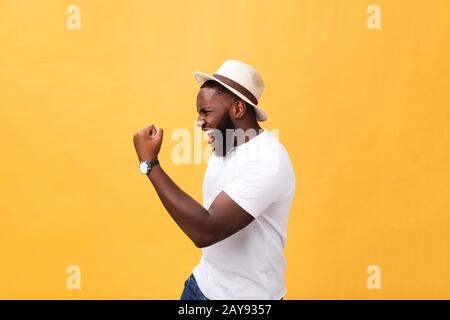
(159, 132)
(150, 129)
(156, 133)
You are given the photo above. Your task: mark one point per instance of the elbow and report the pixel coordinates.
(200, 245)
(205, 236)
(204, 241)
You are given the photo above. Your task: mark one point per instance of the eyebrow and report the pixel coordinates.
(202, 109)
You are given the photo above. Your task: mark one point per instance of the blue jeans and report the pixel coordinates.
(191, 290)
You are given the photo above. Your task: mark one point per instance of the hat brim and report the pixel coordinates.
(203, 77)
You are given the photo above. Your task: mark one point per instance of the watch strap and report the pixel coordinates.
(152, 163)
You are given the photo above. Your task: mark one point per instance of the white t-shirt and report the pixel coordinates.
(250, 264)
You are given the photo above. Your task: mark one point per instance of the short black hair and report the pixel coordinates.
(220, 89)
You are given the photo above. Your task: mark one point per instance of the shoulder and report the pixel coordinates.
(267, 157)
(270, 148)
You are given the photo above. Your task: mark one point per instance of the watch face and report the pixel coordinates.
(143, 167)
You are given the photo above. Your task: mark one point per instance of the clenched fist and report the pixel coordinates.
(147, 142)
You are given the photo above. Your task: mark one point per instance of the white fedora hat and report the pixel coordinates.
(241, 79)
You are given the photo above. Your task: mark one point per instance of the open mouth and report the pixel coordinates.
(210, 134)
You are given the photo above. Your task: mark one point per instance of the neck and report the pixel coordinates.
(251, 130)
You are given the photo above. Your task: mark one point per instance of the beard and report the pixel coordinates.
(224, 137)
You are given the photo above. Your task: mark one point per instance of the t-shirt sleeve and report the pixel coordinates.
(255, 188)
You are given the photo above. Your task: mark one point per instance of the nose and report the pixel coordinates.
(200, 122)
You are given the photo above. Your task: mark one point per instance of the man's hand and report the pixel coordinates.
(147, 142)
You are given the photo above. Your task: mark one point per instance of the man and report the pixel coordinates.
(248, 188)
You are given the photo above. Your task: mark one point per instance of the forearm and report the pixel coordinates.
(190, 216)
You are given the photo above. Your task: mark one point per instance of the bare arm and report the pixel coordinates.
(203, 227)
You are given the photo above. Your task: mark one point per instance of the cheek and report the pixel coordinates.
(212, 119)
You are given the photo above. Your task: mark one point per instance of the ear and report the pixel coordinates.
(238, 109)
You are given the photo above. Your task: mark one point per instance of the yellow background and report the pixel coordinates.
(364, 114)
